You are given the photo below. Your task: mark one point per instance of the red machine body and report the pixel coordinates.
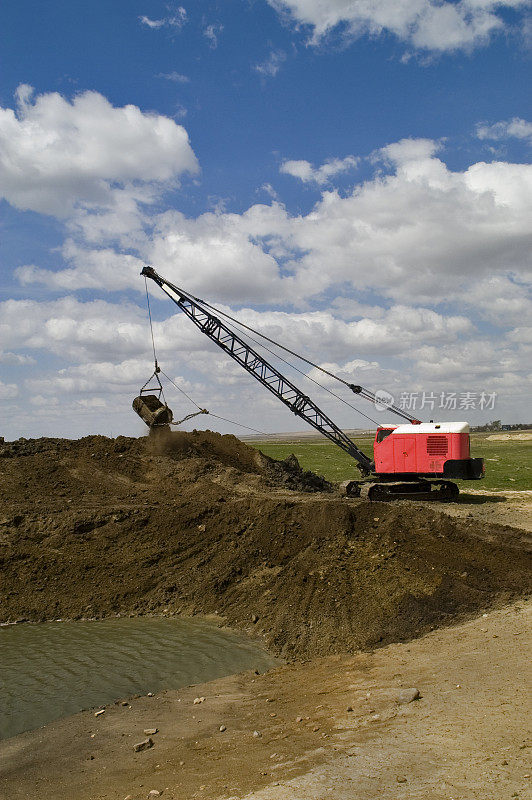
(430, 449)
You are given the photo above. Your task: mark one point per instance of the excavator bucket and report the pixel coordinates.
(152, 410)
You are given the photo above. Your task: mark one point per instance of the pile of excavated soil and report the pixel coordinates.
(202, 523)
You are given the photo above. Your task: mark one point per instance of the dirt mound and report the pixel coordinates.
(203, 523)
(231, 452)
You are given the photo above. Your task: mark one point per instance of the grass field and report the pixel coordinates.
(508, 463)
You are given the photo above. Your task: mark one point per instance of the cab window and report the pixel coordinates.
(381, 435)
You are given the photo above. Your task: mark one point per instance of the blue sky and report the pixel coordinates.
(353, 178)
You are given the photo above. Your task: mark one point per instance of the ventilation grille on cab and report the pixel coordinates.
(437, 445)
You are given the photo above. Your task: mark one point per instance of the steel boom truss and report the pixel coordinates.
(266, 374)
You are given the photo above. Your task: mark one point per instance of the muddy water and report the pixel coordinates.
(54, 669)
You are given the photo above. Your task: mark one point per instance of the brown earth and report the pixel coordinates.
(202, 523)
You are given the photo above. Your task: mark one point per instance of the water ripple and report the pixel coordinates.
(54, 669)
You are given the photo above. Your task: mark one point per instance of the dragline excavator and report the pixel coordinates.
(414, 460)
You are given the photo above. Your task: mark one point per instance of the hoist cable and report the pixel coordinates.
(158, 369)
(210, 412)
(365, 393)
(182, 391)
(151, 324)
(301, 372)
(272, 341)
(240, 424)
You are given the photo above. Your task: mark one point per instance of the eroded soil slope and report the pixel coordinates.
(203, 523)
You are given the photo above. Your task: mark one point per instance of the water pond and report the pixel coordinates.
(55, 669)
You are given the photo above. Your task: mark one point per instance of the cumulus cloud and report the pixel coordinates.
(416, 231)
(94, 330)
(414, 236)
(319, 175)
(72, 329)
(56, 154)
(91, 269)
(512, 128)
(430, 25)
(503, 299)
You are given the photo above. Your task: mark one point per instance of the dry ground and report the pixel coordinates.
(503, 507)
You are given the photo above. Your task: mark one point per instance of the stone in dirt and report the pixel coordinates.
(144, 745)
(151, 731)
(408, 695)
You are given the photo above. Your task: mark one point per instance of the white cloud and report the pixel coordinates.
(57, 154)
(433, 25)
(91, 269)
(415, 267)
(15, 359)
(394, 332)
(175, 19)
(502, 300)
(212, 32)
(74, 330)
(270, 191)
(8, 391)
(417, 232)
(407, 151)
(469, 364)
(100, 331)
(271, 65)
(517, 128)
(319, 175)
(88, 377)
(175, 77)
(521, 335)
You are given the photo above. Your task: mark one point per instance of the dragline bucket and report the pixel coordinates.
(152, 410)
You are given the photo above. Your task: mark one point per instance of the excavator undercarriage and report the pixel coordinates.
(401, 490)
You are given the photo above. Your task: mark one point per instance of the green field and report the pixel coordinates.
(508, 463)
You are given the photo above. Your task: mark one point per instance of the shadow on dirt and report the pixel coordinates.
(465, 499)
